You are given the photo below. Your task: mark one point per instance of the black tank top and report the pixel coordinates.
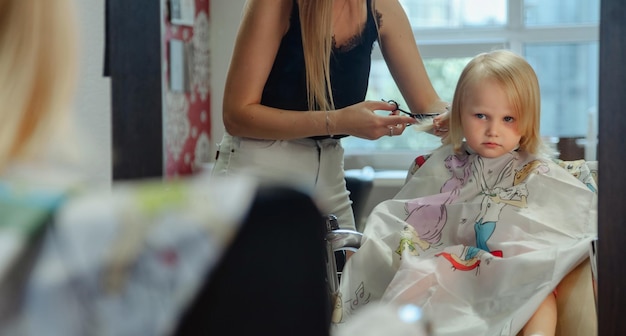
(349, 68)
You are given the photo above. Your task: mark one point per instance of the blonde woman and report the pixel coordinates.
(297, 84)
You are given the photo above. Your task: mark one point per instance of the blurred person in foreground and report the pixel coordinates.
(75, 260)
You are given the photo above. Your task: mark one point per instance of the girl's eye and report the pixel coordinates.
(480, 116)
(509, 119)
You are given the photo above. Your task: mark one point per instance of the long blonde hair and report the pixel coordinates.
(317, 40)
(520, 83)
(316, 26)
(37, 68)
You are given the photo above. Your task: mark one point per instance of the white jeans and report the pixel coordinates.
(314, 165)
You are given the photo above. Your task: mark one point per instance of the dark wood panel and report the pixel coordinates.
(612, 167)
(134, 56)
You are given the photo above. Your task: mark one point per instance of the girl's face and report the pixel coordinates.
(489, 121)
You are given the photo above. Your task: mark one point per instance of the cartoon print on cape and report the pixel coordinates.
(427, 218)
(427, 215)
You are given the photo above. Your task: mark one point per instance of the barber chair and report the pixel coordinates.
(360, 184)
(338, 241)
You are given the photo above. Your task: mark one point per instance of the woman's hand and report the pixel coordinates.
(361, 121)
(441, 124)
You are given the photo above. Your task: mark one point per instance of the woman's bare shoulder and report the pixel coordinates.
(262, 12)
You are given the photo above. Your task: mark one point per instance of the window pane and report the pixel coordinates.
(558, 12)
(568, 77)
(443, 72)
(455, 13)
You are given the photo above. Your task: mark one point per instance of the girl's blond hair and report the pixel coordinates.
(317, 42)
(37, 67)
(519, 81)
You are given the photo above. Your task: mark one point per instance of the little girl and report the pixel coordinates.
(481, 244)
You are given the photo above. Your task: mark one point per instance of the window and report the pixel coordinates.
(559, 38)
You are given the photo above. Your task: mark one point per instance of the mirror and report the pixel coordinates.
(140, 65)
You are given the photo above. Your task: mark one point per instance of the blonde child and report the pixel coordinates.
(498, 112)
(494, 223)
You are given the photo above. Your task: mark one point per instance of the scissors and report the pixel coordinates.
(416, 116)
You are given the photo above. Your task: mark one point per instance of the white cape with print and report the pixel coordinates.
(478, 243)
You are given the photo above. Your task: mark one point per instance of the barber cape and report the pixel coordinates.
(478, 243)
(124, 260)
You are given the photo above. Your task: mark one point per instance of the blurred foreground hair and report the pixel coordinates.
(38, 69)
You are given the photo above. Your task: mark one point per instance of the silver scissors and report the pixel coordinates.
(416, 116)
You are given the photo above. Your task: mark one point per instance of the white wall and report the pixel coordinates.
(92, 104)
(225, 20)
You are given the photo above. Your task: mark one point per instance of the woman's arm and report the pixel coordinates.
(403, 58)
(263, 25)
